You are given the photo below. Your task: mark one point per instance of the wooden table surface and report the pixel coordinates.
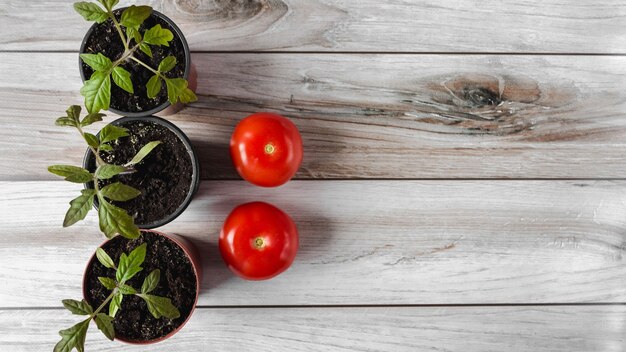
(463, 186)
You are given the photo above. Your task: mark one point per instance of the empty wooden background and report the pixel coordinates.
(463, 185)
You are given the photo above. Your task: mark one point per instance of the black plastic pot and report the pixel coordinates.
(89, 162)
(178, 34)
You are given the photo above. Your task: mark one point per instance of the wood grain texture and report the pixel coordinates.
(554, 26)
(470, 329)
(362, 116)
(374, 242)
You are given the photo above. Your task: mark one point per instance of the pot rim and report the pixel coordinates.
(196, 273)
(178, 33)
(195, 166)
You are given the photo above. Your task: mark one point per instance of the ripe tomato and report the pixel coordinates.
(258, 241)
(266, 149)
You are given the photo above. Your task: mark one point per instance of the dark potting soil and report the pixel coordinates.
(105, 39)
(178, 282)
(163, 176)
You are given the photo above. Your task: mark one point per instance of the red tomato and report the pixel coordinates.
(266, 149)
(258, 241)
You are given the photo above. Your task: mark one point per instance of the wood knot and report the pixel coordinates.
(241, 10)
(480, 97)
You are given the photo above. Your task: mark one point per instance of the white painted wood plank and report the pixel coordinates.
(469, 329)
(362, 116)
(362, 242)
(559, 26)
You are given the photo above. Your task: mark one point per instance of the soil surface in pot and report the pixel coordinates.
(105, 39)
(163, 177)
(133, 322)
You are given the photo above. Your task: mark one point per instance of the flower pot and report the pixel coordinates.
(168, 177)
(180, 268)
(137, 104)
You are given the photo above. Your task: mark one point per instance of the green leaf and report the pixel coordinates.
(114, 220)
(97, 62)
(111, 133)
(105, 324)
(91, 118)
(108, 4)
(65, 121)
(167, 64)
(115, 304)
(91, 140)
(97, 92)
(119, 192)
(77, 307)
(133, 33)
(104, 258)
(106, 147)
(71, 173)
(91, 11)
(187, 96)
(107, 282)
(177, 90)
(160, 306)
(153, 86)
(135, 15)
(143, 152)
(131, 264)
(107, 171)
(73, 337)
(158, 36)
(121, 77)
(146, 49)
(127, 290)
(151, 281)
(73, 113)
(79, 207)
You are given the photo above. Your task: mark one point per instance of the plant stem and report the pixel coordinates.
(95, 151)
(104, 303)
(119, 29)
(147, 66)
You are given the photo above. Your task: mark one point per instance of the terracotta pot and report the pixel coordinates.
(188, 69)
(192, 254)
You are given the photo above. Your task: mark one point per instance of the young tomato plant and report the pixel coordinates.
(113, 220)
(128, 266)
(97, 89)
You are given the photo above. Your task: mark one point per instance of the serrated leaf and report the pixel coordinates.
(133, 33)
(143, 152)
(167, 64)
(91, 140)
(187, 96)
(71, 173)
(77, 307)
(73, 113)
(112, 132)
(107, 282)
(145, 48)
(160, 306)
(65, 121)
(97, 92)
(105, 147)
(131, 264)
(104, 258)
(175, 87)
(119, 192)
(153, 86)
(115, 304)
(108, 4)
(127, 290)
(91, 118)
(73, 337)
(79, 207)
(91, 11)
(121, 77)
(158, 36)
(106, 171)
(114, 220)
(97, 62)
(105, 324)
(134, 16)
(151, 281)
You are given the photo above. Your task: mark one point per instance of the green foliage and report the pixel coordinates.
(97, 89)
(112, 219)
